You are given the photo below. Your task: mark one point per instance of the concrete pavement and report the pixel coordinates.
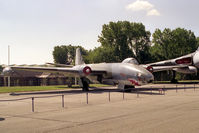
(177, 111)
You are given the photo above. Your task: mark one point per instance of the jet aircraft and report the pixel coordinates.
(126, 74)
(187, 64)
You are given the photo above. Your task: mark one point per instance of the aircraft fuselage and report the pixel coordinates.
(124, 73)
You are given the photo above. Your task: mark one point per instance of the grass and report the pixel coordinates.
(41, 88)
(180, 81)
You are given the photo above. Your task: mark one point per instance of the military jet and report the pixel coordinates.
(187, 64)
(126, 74)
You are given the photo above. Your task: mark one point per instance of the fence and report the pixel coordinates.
(137, 91)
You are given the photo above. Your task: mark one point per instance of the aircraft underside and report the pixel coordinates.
(122, 84)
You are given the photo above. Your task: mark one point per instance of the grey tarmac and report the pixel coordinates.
(146, 112)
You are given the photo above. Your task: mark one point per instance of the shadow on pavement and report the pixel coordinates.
(147, 91)
(2, 119)
(76, 91)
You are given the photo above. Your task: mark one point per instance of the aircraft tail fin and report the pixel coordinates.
(197, 49)
(78, 57)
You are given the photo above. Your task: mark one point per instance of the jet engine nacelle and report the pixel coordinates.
(187, 70)
(7, 71)
(84, 70)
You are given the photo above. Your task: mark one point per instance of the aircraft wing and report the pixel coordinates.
(165, 68)
(183, 64)
(80, 71)
(59, 65)
(183, 60)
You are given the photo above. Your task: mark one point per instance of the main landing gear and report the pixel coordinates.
(85, 84)
(173, 80)
(128, 88)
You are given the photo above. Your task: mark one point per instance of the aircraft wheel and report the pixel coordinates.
(69, 85)
(128, 88)
(173, 80)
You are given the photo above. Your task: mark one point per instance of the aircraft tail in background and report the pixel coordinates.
(78, 57)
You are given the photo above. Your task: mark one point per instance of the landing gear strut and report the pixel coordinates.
(85, 84)
(128, 88)
(173, 80)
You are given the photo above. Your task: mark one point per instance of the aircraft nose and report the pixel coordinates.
(149, 77)
(196, 59)
(145, 77)
(7, 71)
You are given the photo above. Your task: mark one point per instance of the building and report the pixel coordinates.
(29, 78)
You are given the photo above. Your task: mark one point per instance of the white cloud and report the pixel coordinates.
(153, 12)
(143, 5)
(139, 5)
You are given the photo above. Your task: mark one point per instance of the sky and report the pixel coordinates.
(33, 28)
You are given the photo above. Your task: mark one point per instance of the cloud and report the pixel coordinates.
(139, 5)
(153, 12)
(143, 5)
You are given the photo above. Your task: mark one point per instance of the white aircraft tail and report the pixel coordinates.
(78, 57)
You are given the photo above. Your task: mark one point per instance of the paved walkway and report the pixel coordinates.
(175, 112)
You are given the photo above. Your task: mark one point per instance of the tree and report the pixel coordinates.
(101, 54)
(170, 44)
(1, 69)
(126, 39)
(65, 54)
(197, 41)
(60, 54)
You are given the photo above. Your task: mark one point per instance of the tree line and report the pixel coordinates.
(123, 39)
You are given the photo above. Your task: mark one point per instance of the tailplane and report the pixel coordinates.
(78, 57)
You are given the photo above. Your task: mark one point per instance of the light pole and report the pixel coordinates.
(8, 64)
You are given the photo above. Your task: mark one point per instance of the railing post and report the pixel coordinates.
(62, 100)
(137, 93)
(164, 90)
(33, 104)
(123, 94)
(109, 96)
(87, 97)
(184, 87)
(176, 88)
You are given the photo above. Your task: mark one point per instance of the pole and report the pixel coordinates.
(8, 64)
(109, 96)
(137, 93)
(75, 80)
(33, 104)
(8, 55)
(123, 94)
(87, 97)
(62, 100)
(164, 90)
(184, 87)
(8, 81)
(176, 88)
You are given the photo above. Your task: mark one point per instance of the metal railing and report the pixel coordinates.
(138, 92)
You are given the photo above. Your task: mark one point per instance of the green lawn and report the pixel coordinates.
(41, 88)
(180, 81)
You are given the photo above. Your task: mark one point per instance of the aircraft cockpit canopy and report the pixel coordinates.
(131, 61)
